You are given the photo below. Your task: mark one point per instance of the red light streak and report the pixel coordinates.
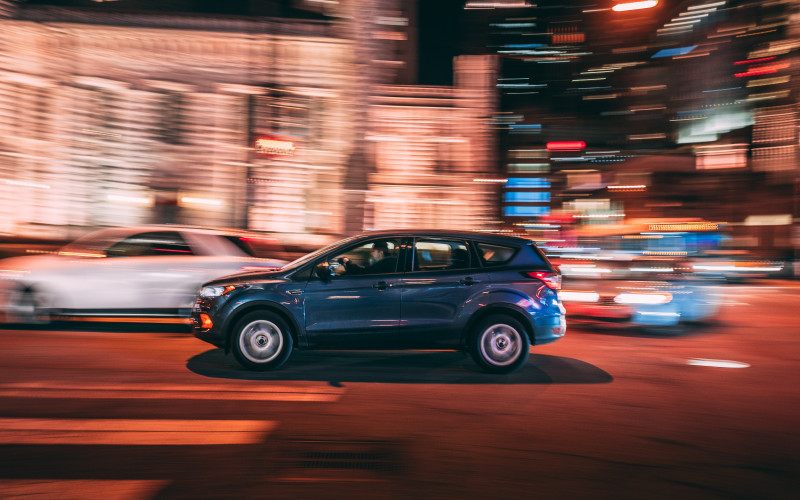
(763, 70)
(753, 61)
(566, 145)
(171, 250)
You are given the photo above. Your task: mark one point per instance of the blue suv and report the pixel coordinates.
(492, 295)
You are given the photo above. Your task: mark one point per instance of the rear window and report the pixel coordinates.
(439, 255)
(495, 255)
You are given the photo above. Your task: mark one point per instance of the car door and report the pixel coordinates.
(444, 276)
(152, 266)
(359, 307)
(128, 278)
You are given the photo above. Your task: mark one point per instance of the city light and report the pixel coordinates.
(269, 146)
(565, 145)
(646, 4)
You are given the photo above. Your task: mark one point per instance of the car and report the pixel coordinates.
(491, 295)
(656, 295)
(138, 273)
(737, 266)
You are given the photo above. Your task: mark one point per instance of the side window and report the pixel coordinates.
(493, 255)
(435, 255)
(372, 257)
(148, 244)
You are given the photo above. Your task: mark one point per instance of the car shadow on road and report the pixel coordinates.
(697, 329)
(400, 367)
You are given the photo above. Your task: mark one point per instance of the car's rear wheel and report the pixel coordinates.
(499, 344)
(261, 341)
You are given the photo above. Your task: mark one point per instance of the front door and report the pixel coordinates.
(358, 306)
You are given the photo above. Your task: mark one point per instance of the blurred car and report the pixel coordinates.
(491, 295)
(140, 272)
(660, 295)
(737, 266)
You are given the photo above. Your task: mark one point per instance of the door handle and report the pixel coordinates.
(382, 285)
(468, 281)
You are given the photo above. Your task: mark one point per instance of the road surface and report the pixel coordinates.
(117, 413)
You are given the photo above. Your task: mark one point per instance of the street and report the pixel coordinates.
(116, 413)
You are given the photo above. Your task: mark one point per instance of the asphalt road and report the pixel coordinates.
(111, 413)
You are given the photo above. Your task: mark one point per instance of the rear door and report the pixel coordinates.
(444, 274)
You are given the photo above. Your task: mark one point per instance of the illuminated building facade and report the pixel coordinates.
(432, 151)
(122, 118)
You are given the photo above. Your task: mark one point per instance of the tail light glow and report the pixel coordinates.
(552, 280)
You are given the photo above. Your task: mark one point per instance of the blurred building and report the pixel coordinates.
(685, 109)
(434, 152)
(125, 114)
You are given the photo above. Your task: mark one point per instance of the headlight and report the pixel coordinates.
(573, 296)
(216, 291)
(643, 298)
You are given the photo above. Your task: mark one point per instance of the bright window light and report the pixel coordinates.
(643, 298)
(568, 296)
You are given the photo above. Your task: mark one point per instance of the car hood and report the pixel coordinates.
(52, 264)
(249, 277)
(33, 262)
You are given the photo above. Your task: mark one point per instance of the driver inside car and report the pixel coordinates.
(381, 261)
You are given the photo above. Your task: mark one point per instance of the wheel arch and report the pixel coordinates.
(260, 305)
(509, 309)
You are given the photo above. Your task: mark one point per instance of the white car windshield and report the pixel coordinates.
(94, 243)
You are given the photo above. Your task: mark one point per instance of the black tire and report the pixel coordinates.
(30, 307)
(261, 341)
(499, 344)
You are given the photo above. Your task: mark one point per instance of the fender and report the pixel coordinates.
(251, 299)
(500, 300)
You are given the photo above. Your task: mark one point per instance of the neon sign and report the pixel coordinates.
(274, 147)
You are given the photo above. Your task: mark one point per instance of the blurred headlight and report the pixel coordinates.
(573, 296)
(643, 298)
(216, 291)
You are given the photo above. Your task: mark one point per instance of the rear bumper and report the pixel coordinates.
(548, 329)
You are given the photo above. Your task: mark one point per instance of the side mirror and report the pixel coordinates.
(324, 271)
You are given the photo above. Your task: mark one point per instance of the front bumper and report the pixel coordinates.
(200, 317)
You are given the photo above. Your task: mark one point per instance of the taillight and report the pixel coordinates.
(552, 280)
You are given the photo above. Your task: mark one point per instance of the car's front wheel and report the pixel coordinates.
(261, 341)
(499, 344)
(30, 306)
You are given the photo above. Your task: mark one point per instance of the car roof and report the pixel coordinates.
(443, 233)
(176, 227)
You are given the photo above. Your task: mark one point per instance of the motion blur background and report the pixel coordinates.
(675, 122)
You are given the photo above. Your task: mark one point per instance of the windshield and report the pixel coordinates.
(313, 255)
(96, 242)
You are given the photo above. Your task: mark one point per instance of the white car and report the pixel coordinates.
(144, 273)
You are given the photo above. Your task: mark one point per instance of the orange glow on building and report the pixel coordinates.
(277, 147)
